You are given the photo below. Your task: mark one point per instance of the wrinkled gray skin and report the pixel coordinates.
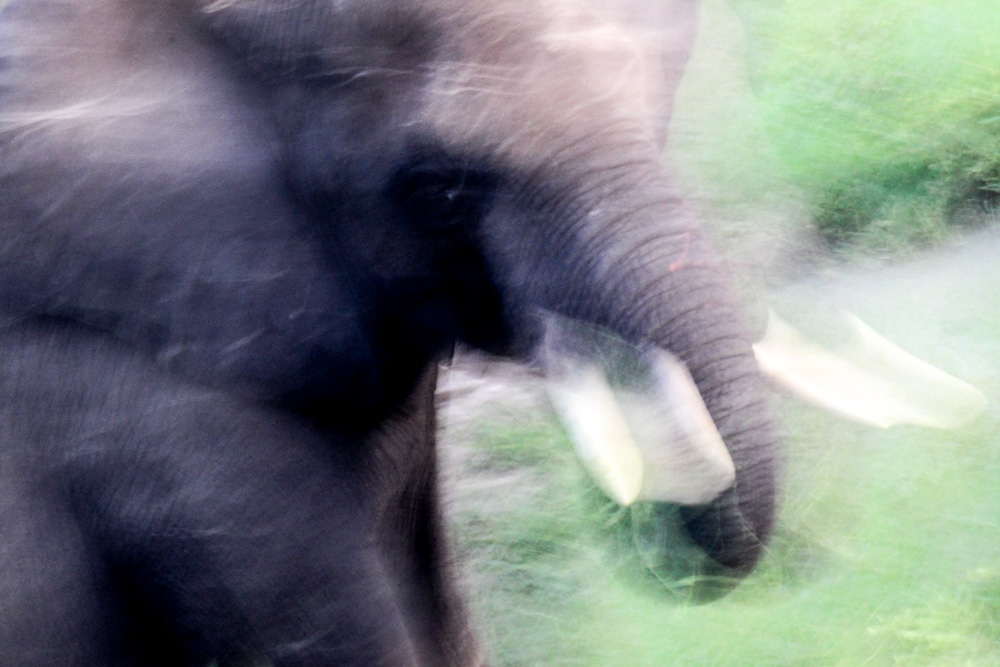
(236, 237)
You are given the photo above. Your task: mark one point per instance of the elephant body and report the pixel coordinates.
(152, 522)
(235, 239)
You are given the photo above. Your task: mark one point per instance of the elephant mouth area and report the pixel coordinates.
(635, 416)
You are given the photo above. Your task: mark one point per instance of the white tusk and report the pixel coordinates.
(588, 409)
(647, 435)
(871, 380)
(686, 460)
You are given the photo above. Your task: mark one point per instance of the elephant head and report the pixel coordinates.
(517, 149)
(299, 206)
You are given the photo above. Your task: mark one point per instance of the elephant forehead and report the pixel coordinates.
(523, 83)
(121, 88)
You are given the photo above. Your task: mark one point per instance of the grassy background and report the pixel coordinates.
(805, 129)
(887, 113)
(881, 118)
(888, 547)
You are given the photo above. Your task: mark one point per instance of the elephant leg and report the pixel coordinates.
(207, 527)
(53, 597)
(413, 538)
(249, 544)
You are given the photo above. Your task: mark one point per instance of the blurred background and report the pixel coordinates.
(845, 156)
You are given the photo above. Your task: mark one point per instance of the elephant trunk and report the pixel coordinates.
(638, 265)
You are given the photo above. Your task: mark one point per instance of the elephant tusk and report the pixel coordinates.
(588, 409)
(686, 459)
(870, 380)
(636, 419)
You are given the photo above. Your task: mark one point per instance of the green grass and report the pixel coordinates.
(888, 547)
(882, 119)
(888, 554)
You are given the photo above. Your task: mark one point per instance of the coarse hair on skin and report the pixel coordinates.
(106, 108)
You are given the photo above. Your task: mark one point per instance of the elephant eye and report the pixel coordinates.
(439, 193)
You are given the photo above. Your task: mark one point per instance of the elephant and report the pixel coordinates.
(237, 238)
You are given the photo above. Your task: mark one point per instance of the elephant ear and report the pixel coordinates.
(316, 39)
(664, 31)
